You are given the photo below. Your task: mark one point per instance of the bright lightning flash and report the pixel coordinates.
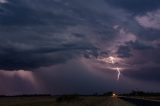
(112, 59)
(119, 73)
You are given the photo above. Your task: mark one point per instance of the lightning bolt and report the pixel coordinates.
(119, 73)
(117, 68)
(112, 60)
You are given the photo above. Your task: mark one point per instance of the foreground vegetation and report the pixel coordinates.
(75, 100)
(144, 95)
(52, 101)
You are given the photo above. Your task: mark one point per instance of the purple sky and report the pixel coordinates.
(64, 46)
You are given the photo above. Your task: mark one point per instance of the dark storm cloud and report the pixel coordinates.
(136, 6)
(149, 34)
(146, 73)
(60, 42)
(34, 33)
(139, 45)
(124, 51)
(23, 13)
(144, 60)
(16, 13)
(14, 58)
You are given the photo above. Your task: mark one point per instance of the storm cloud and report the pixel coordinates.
(50, 37)
(136, 6)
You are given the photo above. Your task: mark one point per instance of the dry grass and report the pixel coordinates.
(52, 101)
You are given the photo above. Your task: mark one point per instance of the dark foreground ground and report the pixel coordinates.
(142, 101)
(74, 101)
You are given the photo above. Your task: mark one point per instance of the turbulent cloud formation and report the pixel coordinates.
(136, 6)
(3, 1)
(150, 20)
(49, 37)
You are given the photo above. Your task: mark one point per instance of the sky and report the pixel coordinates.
(65, 46)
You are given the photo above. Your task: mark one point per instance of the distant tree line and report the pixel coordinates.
(75, 96)
(142, 93)
(29, 95)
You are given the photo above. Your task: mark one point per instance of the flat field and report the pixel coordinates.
(63, 101)
(76, 101)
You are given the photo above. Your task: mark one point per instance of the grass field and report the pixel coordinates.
(75, 100)
(63, 101)
(51, 101)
